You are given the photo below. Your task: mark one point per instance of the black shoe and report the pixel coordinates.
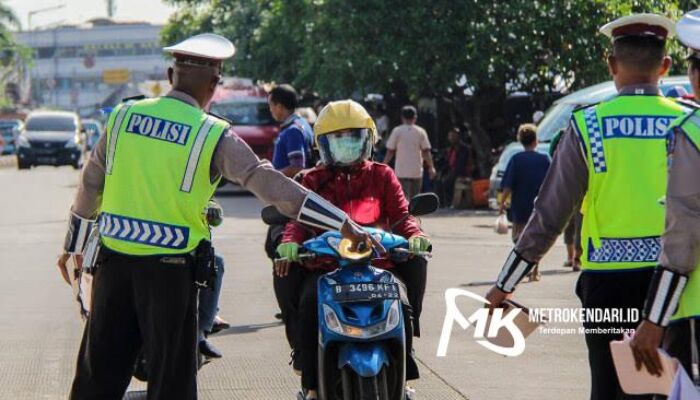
(208, 350)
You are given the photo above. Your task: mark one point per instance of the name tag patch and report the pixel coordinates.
(636, 126)
(157, 128)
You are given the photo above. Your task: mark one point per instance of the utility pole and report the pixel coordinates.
(111, 7)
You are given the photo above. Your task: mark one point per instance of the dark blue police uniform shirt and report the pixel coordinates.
(524, 176)
(296, 137)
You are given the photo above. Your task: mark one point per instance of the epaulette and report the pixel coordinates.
(584, 106)
(687, 103)
(139, 97)
(228, 121)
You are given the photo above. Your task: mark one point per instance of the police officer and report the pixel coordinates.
(673, 302)
(610, 163)
(151, 177)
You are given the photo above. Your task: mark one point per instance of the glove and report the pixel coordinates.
(214, 213)
(290, 251)
(419, 244)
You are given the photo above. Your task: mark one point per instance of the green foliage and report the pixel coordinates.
(344, 47)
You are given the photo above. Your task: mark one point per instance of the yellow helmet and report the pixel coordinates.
(344, 133)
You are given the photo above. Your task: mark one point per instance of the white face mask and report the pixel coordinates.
(346, 149)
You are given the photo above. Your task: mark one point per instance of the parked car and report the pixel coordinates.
(252, 121)
(9, 130)
(93, 131)
(51, 138)
(557, 117)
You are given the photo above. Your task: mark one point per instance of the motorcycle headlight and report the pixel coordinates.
(392, 321)
(22, 141)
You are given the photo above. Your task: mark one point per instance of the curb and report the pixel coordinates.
(8, 161)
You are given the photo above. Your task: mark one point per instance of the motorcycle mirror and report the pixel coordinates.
(423, 204)
(271, 216)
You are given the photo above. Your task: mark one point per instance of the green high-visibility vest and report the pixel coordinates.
(157, 182)
(624, 142)
(689, 303)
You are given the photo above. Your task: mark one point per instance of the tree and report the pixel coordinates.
(470, 52)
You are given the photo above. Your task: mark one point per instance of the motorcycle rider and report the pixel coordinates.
(370, 193)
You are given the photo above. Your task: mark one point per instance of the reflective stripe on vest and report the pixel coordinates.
(114, 135)
(625, 148)
(155, 197)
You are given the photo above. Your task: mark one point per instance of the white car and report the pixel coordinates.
(557, 117)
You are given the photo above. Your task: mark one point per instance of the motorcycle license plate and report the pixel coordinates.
(356, 292)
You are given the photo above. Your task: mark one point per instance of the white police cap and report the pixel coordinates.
(207, 46)
(639, 25)
(688, 29)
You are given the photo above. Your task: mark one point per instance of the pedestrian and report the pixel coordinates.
(293, 147)
(598, 165)
(457, 163)
(572, 233)
(521, 182)
(150, 178)
(411, 146)
(672, 308)
(293, 152)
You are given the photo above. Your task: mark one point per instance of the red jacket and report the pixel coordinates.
(369, 193)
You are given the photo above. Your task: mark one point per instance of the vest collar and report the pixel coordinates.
(640, 89)
(184, 97)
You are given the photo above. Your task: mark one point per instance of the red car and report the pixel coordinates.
(248, 111)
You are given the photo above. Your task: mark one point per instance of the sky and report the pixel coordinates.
(77, 11)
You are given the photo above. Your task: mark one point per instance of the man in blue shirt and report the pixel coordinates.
(522, 180)
(293, 149)
(293, 153)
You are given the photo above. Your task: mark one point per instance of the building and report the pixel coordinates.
(85, 67)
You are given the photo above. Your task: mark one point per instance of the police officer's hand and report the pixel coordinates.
(62, 262)
(214, 213)
(645, 344)
(289, 253)
(359, 238)
(496, 297)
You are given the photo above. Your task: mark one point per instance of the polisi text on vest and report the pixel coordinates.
(157, 128)
(636, 126)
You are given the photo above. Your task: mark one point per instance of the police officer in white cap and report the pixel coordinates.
(610, 164)
(672, 309)
(150, 178)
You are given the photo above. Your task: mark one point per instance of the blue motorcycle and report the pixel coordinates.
(361, 326)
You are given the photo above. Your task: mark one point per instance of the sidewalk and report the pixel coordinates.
(8, 161)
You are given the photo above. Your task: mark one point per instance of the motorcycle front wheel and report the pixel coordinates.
(356, 387)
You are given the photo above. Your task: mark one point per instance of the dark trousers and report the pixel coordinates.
(412, 273)
(139, 301)
(677, 342)
(621, 290)
(287, 292)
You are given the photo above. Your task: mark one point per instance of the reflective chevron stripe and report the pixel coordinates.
(144, 232)
(645, 249)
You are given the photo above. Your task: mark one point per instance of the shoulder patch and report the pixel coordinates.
(133, 98)
(670, 143)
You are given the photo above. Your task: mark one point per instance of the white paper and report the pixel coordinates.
(683, 388)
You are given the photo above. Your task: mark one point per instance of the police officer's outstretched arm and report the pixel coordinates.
(87, 202)
(680, 255)
(559, 197)
(234, 160)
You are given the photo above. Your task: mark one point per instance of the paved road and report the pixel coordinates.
(40, 332)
